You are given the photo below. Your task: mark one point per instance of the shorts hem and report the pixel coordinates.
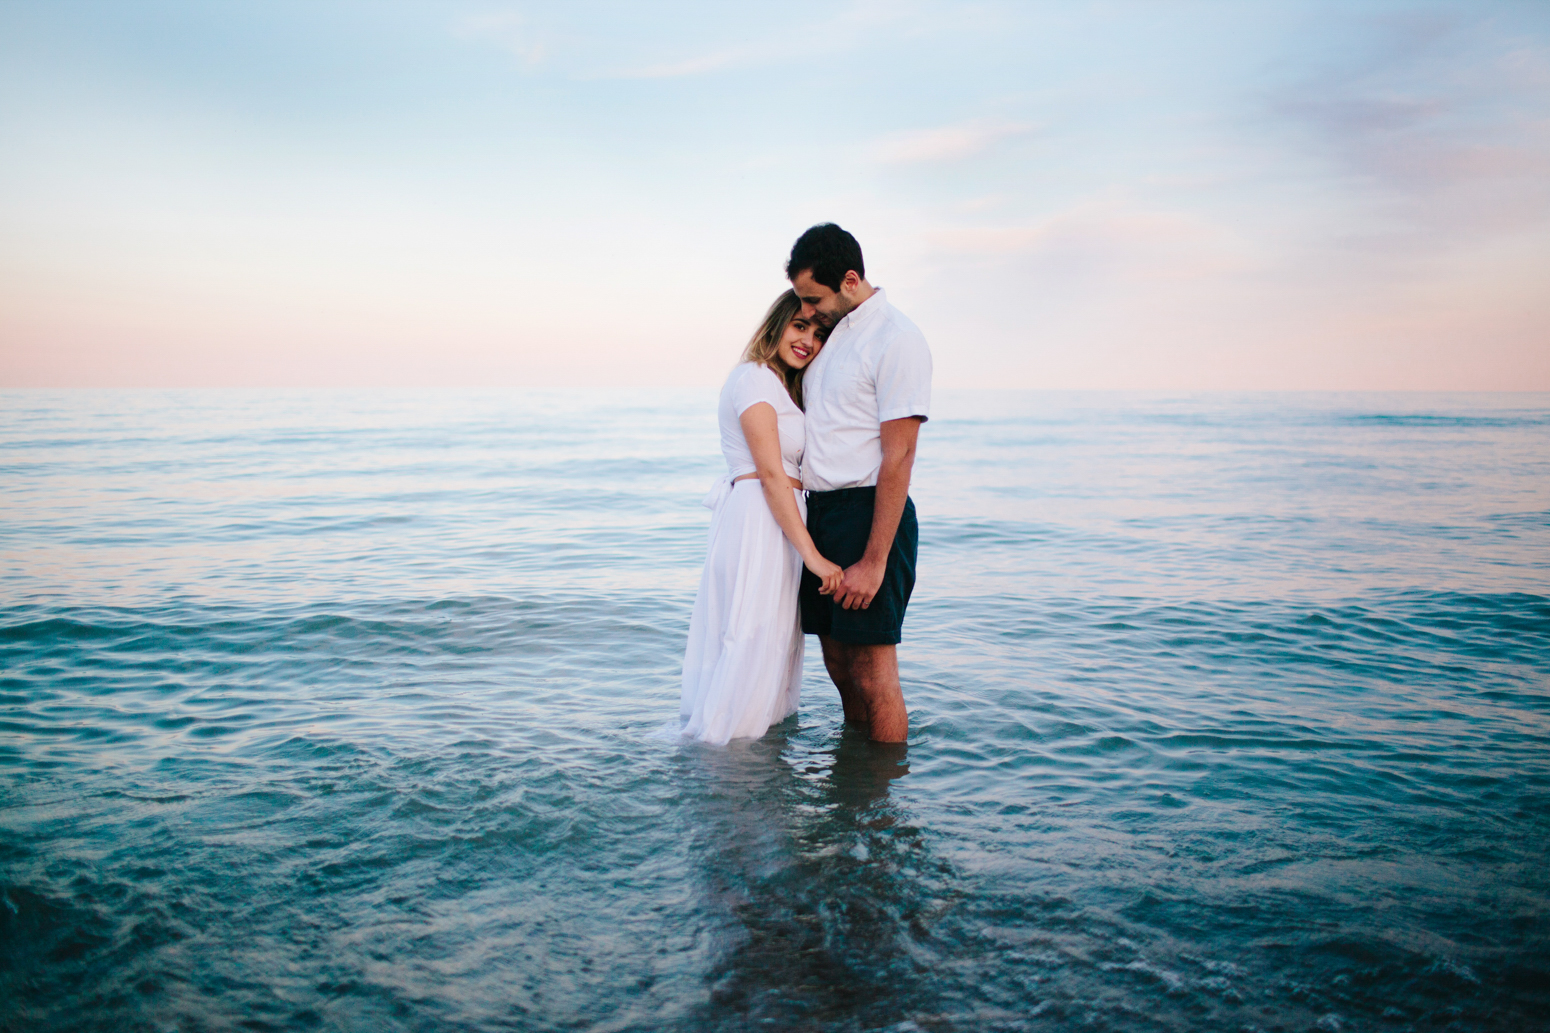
(862, 639)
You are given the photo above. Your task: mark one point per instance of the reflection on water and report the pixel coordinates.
(826, 885)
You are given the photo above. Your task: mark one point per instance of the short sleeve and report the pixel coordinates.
(903, 378)
(759, 384)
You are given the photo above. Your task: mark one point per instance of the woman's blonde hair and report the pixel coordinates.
(764, 346)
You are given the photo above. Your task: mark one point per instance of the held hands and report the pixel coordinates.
(859, 584)
(828, 573)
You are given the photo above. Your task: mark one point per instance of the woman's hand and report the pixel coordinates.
(829, 573)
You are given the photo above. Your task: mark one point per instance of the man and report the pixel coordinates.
(867, 393)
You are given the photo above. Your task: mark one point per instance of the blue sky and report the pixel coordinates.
(1086, 195)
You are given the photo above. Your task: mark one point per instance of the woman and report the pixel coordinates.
(743, 668)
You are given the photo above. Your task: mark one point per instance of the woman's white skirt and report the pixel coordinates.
(743, 666)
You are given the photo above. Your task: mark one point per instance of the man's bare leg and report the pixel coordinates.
(837, 660)
(868, 680)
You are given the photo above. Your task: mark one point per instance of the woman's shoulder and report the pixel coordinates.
(751, 382)
(741, 370)
(755, 374)
(744, 369)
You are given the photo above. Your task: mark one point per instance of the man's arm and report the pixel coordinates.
(863, 578)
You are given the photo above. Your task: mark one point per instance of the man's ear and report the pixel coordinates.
(851, 281)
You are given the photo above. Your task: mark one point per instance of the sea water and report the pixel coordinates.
(335, 711)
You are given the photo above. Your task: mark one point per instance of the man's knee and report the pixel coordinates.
(836, 653)
(875, 665)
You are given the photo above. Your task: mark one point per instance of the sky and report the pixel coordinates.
(1104, 195)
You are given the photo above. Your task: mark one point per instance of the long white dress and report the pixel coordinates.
(743, 666)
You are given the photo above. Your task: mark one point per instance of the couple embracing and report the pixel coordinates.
(812, 529)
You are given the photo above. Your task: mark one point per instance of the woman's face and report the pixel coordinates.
(798, 344)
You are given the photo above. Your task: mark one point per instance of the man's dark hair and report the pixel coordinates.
(828, 252)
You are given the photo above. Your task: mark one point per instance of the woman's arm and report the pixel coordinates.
(761, 428)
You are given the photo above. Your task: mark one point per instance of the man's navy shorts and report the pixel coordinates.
(840, 523)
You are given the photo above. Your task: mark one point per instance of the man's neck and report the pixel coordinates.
(864, 291)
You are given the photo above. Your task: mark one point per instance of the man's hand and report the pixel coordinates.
(860, 584)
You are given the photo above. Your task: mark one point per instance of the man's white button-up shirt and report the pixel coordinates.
(875, 368)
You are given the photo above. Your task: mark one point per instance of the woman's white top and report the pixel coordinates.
(748, 385)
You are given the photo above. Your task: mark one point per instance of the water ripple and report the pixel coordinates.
(340, 712)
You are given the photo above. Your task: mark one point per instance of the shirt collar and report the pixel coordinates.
(866, 310)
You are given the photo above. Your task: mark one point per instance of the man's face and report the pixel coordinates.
(820, 304)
